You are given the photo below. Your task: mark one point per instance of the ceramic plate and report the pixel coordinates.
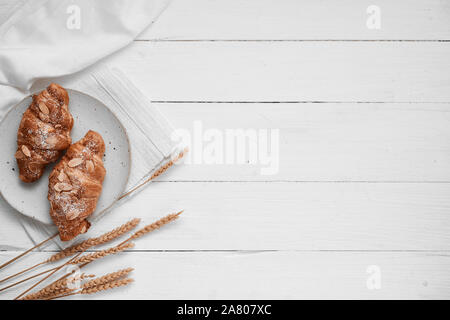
(88, 113)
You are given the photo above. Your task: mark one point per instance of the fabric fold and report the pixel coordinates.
(52, 38)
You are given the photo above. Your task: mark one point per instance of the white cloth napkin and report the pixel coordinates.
(51, 38)
(43, 39)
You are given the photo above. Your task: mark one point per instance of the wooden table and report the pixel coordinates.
(360, 205)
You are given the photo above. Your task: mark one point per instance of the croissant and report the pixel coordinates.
(44, 132)
(75, 184)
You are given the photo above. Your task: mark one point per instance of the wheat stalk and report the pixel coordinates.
(56, 288)
(27, 251)
(79, 247)
(100, 254)
(91, 242)
(153, 226)
(107, 278)
(101, 287)
(158, 172)
(107, 286)
(110, 277)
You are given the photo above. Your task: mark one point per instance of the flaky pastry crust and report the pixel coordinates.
(44, 132)
(75, 185)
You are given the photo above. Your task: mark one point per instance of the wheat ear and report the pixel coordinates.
(107, 286)
(91, 242)
(158, 172)
(56, 288)
(28, 251)
(110, 277)
(102, 287)
(153, 226)
(106, 278)
(100, 254)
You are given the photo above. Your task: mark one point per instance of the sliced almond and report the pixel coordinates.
(66, 187)
(43, 117)
(26, 151)
(61, 186)
(75, 162)
(62, 176)
(34, 167)
(72, 215)
(43, 108)
(57, 126)
(83, 230)
(90, 166)
(52, 140)
(18, 155)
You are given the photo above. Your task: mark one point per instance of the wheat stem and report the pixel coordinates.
(157, 173)
(23, 271)
(48, 276)
(29, 250)
(26, 279)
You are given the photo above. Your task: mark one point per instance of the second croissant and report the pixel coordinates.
(75, 184)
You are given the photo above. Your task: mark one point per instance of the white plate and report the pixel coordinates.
(89, 114)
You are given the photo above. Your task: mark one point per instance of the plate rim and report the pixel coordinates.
(122, 190)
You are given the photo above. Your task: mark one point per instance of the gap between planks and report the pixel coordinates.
(445, 252)
(304, 181)
(290, 40)
(295, 102)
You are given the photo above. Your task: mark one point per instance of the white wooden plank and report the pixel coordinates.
(320, 142)
(290, 216)
(272, 275)
(11, 229)
(285, 216)
(286, 71)
(307, 19)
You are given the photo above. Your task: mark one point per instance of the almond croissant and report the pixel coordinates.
(44, 132)
(75, 185)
